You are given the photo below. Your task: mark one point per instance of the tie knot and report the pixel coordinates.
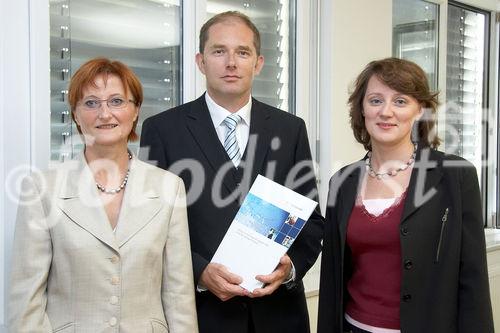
(232, 120)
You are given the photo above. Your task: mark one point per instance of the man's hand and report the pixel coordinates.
(275, 279)
(221, 282)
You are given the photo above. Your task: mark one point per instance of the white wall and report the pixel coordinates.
(362, 32)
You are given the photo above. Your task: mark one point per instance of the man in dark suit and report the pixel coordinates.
(218, 144)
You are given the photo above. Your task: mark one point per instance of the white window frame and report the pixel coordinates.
(492, 134)
(26, 136)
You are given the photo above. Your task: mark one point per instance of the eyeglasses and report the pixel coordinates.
(113, 103)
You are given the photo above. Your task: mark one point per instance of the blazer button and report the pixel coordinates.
(114, 259)
(406, 298)
(113, 321)
(404, 231)
(113, 300)
(115, 280)
(408, 264)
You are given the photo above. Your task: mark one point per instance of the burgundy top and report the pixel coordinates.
(374, 286)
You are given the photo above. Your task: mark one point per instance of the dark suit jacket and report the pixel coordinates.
(444, 287)
(277, 147)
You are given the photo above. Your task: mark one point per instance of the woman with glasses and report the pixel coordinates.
(404, 248)
(102, 243)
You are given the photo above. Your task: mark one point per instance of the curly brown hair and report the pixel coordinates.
(405, 77)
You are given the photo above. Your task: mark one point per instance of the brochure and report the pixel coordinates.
(266, 225)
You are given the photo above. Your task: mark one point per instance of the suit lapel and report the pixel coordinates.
(201, 127)
(427, 173)
(141, 202)
(259, 139)
(80, 201)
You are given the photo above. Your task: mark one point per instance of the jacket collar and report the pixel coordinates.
(349, 183)
(80, 201)
(426, 174)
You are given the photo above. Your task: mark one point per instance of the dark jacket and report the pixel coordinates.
(277, 145)
(444, 286)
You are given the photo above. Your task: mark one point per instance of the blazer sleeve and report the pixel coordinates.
(307, 247)
(177, 287)
(474, 304)
(31, 260)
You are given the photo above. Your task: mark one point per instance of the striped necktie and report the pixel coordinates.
(230, 142)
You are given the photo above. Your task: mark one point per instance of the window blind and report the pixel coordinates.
(465, 88)
(144, 34)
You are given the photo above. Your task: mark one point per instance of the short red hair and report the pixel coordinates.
(93, 68)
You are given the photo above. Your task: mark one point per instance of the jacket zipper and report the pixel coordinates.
(443, 224)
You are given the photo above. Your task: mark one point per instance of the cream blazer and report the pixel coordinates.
(72, 273)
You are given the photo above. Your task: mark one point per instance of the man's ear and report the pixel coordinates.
(200, 61)
(259, 64)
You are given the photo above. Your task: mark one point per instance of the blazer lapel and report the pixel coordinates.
(350, 189)
(79, 200)
(201, 127)
(141, 202)
(259, 139)
(427, 173)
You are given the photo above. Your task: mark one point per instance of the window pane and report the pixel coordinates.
(415, 34)
(144, 34)
(465, 89)
(274, 85)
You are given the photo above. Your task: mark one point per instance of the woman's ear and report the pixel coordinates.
(137, 109)
(75, 118)
(420, 113)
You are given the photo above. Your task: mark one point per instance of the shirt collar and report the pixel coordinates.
(218, 113)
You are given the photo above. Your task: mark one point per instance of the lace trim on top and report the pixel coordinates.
(388, 211)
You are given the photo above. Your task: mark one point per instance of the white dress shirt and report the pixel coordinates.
(218, 114)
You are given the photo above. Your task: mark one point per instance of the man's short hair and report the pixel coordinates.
(228, 16)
